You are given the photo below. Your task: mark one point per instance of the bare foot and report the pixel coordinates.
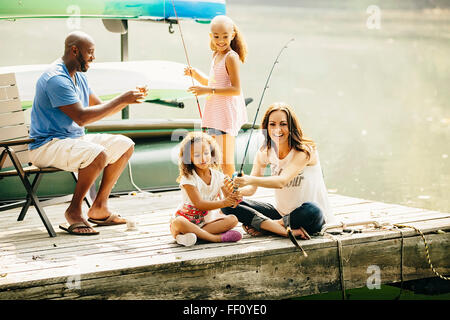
(301, 233)
(297, 232)
(252, 231)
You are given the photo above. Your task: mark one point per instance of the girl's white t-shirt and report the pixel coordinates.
(307, 186)
(208, 192)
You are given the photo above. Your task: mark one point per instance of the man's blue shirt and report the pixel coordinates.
(55, 88)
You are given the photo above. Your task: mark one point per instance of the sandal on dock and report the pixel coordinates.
(107, 221)
(71, 229)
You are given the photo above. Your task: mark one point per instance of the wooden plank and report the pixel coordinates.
(127, 207)
(159, 211)
(158, 232)
(387, 258)
(106, 252)
(13, 132)
(396, 213)
(143, 218)
(362, 207)
(146, 223)
(39, 267)
(9, 93)
(337, 204)
(7, 79)
(106, 262)
(181, 284)
(137, 246)
(10, 105)
(246, 276)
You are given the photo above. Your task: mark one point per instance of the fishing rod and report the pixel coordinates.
(186, 54)
(239, 173)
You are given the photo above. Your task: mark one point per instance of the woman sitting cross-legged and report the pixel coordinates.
(301, 197)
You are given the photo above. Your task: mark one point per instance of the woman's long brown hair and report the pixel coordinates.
(296, 137)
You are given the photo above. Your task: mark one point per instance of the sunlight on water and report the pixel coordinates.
(371, 90)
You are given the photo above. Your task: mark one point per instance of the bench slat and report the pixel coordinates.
(7, 93)
(13, 132)
(12, 119)
(7, 79)
(28, 169)
(10, 105)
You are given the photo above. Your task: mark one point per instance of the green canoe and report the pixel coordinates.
(153, 166)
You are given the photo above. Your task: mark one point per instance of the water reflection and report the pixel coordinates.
(375, 100)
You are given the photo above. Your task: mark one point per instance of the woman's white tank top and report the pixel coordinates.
(307, 186)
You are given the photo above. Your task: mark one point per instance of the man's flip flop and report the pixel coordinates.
(107, 221)
(70, 229)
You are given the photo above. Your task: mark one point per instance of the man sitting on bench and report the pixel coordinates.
(63, 104)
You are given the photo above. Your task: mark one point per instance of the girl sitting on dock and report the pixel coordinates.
(201, 183)
(225, 111)
(300, 194)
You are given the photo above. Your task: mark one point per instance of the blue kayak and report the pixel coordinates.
(199, 10)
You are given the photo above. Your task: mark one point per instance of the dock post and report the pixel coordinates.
(124, 57)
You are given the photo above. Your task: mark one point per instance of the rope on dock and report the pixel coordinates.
(402, 247)
(397, 227)
(339, 243)
(427, 251)
(341, 268)
(341, 261)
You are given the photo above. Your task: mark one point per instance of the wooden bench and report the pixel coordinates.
(14, 154)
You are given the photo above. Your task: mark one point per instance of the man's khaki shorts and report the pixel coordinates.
(72, 154)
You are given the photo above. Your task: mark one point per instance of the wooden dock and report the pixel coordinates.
(148, 264)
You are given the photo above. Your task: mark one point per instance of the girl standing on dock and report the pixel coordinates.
(225, 111)
(300, 194)
(201, 183)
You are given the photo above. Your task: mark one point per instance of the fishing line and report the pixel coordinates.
(239, 173)
(140, 191)
(186, 54)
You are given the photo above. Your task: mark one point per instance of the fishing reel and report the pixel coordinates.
(231, 181)
(235, 174)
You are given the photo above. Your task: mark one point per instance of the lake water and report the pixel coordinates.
(371, 88)
(376, 101)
